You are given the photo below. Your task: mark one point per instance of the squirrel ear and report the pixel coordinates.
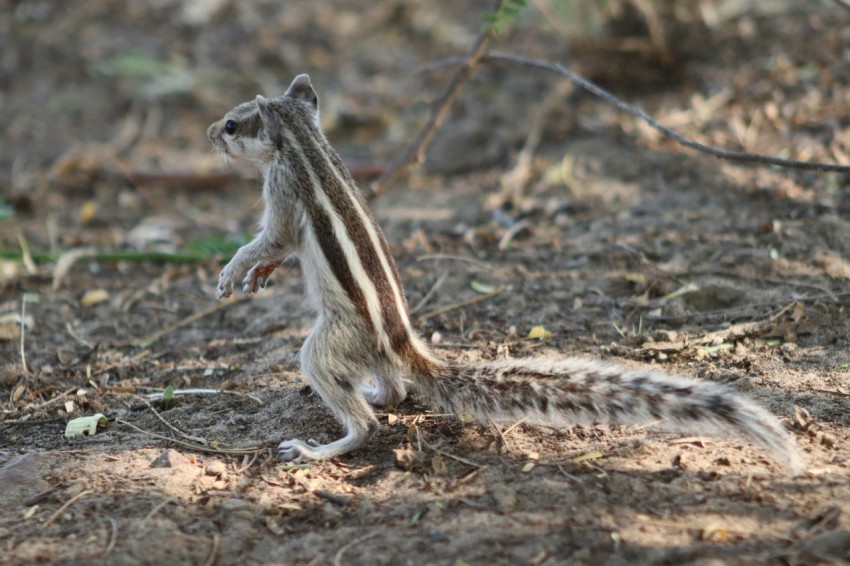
(265, 111)
(301, 89)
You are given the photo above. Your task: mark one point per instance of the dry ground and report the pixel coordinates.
(631, 249)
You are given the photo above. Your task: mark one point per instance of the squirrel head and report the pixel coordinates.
(259, 131)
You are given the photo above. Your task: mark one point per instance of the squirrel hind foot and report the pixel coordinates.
(298, 451)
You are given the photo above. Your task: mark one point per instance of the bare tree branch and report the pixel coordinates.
(439, 109)
(596, 90)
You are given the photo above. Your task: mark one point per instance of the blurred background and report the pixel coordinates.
(105, 103)
(542, 221)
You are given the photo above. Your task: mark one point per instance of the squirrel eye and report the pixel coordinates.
(230, 127)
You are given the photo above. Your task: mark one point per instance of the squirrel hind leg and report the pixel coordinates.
(341, 394)
(357, 417)
(297, 450)
(384, 390)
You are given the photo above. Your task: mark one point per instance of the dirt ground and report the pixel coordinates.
(620, 244)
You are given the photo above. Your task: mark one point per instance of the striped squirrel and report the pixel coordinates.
(363, 351)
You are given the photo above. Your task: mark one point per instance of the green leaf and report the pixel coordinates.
(482, 288)
(216, 245)
(290, 467)
(167, 397)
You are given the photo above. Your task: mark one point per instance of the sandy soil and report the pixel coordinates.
(631, 249)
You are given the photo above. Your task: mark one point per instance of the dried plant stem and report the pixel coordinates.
(439, 109)
(596, 90)
(62, 509)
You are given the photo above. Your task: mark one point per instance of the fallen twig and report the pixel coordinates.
(67, 504)
(53, 400)
(216, 543)
(343, 548)
(461, 304)
(439, 109)
(113, 537)
(471, 260)
(158, 395)
(196, 447)
(151, 339)
(172, 427)
(424, 301)
(23, 334)
(153, 512)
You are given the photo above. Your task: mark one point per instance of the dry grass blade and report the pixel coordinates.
(461, 304)
(66, 261)
(216, 544)
(23, 335)
(197, 447)
(339, 553)
(172, 427)
(62, 509)
(113, 537)
(155, 337)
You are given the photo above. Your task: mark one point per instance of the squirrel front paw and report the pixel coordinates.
(258, 276)
(225, 284)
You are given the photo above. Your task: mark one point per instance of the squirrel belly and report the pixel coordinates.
(363, 350)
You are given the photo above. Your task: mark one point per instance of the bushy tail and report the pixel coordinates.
(566, 391)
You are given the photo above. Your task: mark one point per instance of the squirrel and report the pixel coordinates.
(363, 350)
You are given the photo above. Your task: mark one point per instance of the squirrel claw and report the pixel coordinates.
(288, 451)
(224, 291)
(258, 276)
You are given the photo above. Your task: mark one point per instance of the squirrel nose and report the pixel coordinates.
(211, 131)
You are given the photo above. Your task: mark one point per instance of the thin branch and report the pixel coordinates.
(156, 509)
(197, 439)
(600, 92)
(439, 109)
(461, 304)
(192, 446)
(154, 337)
(23, 334)
(67, 504)
(113, 538)
(339, 553)
(216, 544)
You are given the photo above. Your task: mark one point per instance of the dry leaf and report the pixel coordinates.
(798, 312)
(93, 297)
(539, 333)
(594, 455)
(438, 464)
(9, 331)
(714, 533)
(88, 212)
(274, 527)
(482, 288)
(633, 277)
